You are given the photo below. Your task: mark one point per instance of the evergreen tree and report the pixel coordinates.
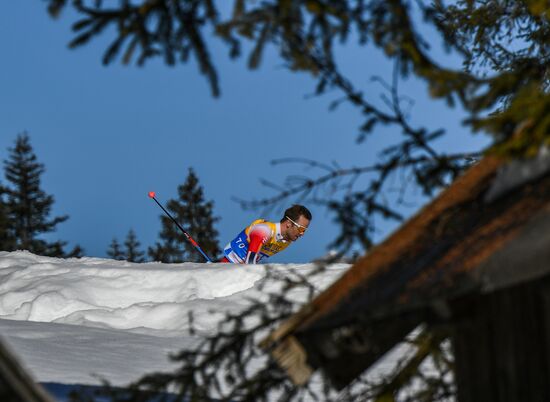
(133, 253)
(76, 252)
(27, 206)
(196, 215)
(114, 251)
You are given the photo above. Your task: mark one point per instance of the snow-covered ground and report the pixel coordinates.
(78, 320)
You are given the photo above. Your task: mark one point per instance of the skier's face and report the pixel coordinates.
(296, 228)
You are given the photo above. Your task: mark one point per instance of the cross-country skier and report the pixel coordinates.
(262, 239)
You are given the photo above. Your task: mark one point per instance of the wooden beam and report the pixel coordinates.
(291, 356)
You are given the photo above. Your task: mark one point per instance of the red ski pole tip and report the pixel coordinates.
(152, 194)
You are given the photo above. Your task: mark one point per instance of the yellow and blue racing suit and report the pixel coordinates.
(259, 240)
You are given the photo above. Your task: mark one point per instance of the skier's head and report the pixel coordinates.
(295, 222)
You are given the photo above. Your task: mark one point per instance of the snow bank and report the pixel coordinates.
(71, 319)
(104, 293)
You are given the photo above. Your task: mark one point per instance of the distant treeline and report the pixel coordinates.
(25, 216)
(192, 211)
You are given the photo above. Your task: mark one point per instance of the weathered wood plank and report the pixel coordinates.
(501, 347)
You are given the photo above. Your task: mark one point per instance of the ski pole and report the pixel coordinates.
(187, 235)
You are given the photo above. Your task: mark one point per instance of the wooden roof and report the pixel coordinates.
(471, 239)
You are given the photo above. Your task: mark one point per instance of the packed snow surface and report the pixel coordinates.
(79, 320)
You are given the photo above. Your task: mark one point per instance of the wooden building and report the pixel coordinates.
(477, 258)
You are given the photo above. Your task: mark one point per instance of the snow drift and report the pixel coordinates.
(71, 320)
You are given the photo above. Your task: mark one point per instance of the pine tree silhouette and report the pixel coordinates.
(133, 253)
(115, 251)
(27, 206)
(195, 214)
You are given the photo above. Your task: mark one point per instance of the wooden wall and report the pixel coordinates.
(502, 345)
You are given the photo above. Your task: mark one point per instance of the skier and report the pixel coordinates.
(262, 239)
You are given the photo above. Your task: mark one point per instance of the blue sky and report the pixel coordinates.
(109, 135)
